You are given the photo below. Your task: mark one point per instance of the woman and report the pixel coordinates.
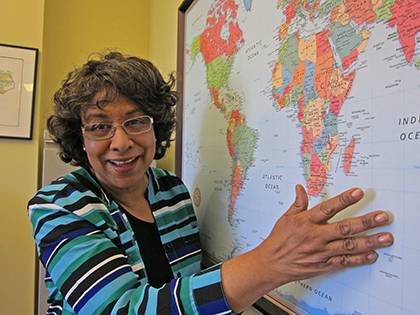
(120, 237)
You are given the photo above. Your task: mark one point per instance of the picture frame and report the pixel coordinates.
(18, 71)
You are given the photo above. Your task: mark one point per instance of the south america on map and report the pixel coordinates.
(322, 93)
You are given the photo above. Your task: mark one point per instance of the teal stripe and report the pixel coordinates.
(69, 253)
(206, 279)
(48, 198)
(163, 225)
(65, 219)
(185, 231)
(176, 215)
(151, 308)
(74, 197)
(109, 293)
(124, 299)
(39, 213)
(169, 194)
(52, 187)
(137, 298)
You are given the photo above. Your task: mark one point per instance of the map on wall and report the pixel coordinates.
(323, 93)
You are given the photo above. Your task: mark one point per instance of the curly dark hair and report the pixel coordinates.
(115, 75)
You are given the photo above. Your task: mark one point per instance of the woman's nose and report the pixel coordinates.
(121, 141)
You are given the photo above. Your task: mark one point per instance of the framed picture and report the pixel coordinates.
(18, 68)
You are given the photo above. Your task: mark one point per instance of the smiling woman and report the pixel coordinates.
(117, 236)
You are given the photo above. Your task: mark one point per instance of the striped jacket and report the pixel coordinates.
(92, 259)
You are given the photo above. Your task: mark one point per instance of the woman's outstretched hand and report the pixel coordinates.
(303, 244)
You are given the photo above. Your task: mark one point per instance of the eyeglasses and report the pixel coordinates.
(104, 131)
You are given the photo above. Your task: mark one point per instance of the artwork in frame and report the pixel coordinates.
(18, 68)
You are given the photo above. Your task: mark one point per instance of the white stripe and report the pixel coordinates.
(55, 306)
(59, 244)
(137, 267)
(44, 205)
(190, 254)
(94, 232)
(84, 293)
(176, 296)
(171, 208)
(225, 312)
(87, 274)
(55, 249)
(89, 207)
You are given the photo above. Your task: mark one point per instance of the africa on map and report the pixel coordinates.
(322, 93)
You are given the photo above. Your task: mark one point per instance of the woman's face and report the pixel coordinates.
(120, 162)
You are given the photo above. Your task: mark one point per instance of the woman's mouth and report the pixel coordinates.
(123, 162)
(124, 166)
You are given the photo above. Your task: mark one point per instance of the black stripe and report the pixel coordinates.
(128, 245)
(179, 225)
(48, 193)
(167, 180)
(181, 242)
(60, 230)
(87, 183)
(109, 307)
(94, 277)
(79, 204)
(164, 301)
(142, 308)
(208, 294)
(173, 201)
(55, 308)
(37, 200)
(50, 217)
(124, 310)
(88, 265)
(56, 235)
(153, 180)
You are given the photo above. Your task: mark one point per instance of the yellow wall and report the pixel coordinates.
(21, 23)
(74, 29)
(163, 50)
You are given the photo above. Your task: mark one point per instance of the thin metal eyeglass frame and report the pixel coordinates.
(114, 128)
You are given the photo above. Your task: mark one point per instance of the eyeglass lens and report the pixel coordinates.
(135, 125)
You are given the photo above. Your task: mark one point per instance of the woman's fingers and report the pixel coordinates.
(359, 245)
(352, 226)
(324, 211)
(343, 261)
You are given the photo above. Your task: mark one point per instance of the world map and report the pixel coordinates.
(324, 93)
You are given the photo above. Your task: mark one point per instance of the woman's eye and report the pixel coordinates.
(99, 127)
(135, 122)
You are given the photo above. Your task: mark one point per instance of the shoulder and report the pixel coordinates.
(164, 179)
(69, 189)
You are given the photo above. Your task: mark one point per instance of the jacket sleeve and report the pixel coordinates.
(94, 276)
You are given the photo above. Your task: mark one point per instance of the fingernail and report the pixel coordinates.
(384, 239)
(381, 218)
(357, 193)
(372, 256)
